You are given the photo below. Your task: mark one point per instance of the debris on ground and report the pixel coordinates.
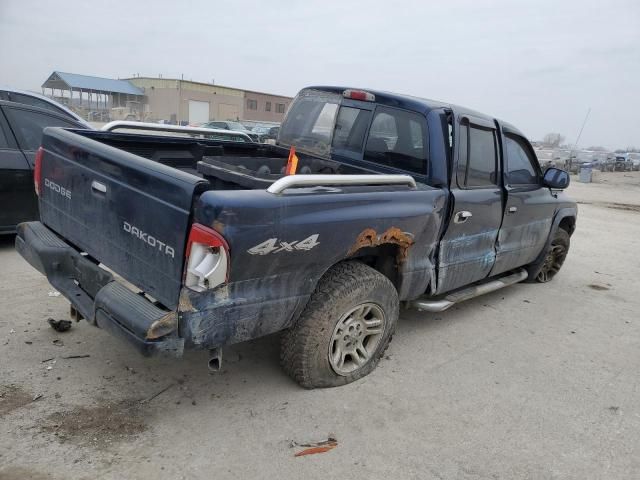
(54, 293)
(37, 397)
(148, 399)
(602, 273)
(58, 343)
(318, 447)
(59, 325)
(595, 286)
(76, 356)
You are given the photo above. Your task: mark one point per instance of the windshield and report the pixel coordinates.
(310, 120)
(237, 126)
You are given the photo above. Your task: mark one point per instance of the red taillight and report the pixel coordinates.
(37, 171)
(206, 259)
(359, 95)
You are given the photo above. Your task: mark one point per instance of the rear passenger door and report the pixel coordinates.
(29, 122)
(467, 249)
(529, 208)
(17, 197)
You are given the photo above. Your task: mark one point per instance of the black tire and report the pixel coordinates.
(339, 302)
(554, 258)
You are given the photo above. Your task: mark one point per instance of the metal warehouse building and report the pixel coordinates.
(89, 95)
(185, 101)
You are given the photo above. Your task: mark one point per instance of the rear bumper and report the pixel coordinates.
(94, 292)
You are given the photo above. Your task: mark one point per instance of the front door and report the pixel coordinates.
(529, 209)
(467, 249)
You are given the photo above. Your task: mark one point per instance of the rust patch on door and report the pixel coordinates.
(392, 236)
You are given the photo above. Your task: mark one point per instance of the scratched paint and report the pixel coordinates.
(465, 259)
(521, 244)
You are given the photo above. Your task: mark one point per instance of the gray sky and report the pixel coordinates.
(537, 64)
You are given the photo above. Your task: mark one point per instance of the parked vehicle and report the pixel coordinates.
(22, 119)
(236, 126)
(622, 163)
(177, 130)
(40, 101)
(395, 199)
(266, 132)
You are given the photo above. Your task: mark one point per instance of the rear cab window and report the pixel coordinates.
(324, 123)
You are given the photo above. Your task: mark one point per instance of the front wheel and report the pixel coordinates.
(344, 329)
(554, 258)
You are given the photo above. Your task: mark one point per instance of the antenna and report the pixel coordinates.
(575, 145)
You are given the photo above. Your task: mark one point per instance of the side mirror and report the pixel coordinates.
(555, 178)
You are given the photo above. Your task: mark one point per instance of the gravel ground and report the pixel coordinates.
(534, 381)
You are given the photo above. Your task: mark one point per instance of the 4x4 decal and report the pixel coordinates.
(274, 246)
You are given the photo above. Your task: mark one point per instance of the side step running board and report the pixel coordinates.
(429, 305)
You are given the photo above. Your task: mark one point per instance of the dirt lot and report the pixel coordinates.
(535, 381)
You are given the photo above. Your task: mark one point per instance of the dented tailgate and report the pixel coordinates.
(129, 213)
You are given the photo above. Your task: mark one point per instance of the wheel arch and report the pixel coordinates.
(568, 223)
(565, 218)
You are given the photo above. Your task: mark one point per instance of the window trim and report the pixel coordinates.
(481, 124)
(252, 101)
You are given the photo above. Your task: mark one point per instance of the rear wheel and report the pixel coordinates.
(344, 329)
(554, 258)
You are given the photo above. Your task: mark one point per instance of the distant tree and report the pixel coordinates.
(552, 140)
(632, 149)
(597, 148)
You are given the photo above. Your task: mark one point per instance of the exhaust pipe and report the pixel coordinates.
(215, 360)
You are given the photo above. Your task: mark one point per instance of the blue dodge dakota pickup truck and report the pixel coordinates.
(179, 243)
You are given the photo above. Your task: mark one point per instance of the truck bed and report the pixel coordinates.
(226, 165)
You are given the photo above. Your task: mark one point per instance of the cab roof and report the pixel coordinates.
(417, 104)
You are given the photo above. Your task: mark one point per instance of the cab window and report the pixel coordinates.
(521, 168)
(477, 157)
(397, 139)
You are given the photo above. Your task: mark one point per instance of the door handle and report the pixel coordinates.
(513, 209)
(98, 187)
(462, 216)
